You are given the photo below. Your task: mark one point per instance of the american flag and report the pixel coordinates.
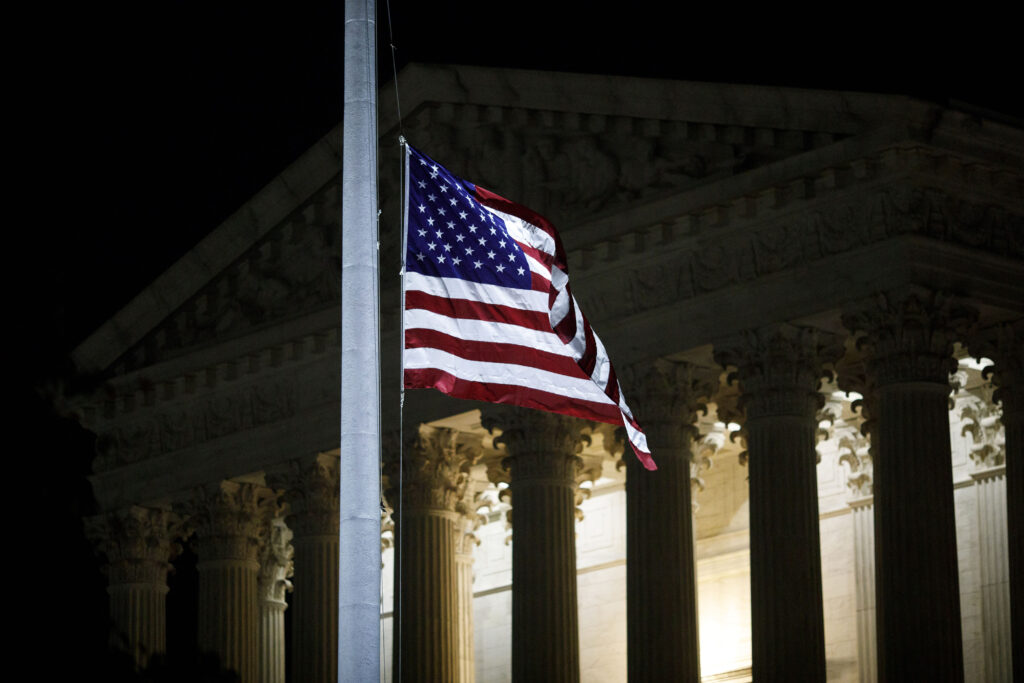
(488, 310)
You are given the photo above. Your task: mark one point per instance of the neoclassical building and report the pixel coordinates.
(815, 303)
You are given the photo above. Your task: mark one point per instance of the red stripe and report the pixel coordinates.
(476, 310)
(493, 352)
(612, 389)
(430, 378)
(566, 327)
(536, 254)
(539, 283)
(589, 358)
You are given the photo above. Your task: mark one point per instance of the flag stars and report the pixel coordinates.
(422, 184)
(422, 208)
(432, 196)
(432, 246)
(494, 231)
(501, 244)
(459, 237)
(490, 254)
(422, 232)
(511, 257)
(477, 264)
(444, 187)
(447, 247)
(462, 215)
(469, 251)
(453, 201)
(441, 211)
(520, 270)
(500, 268)
(456, 261)
(472, 229)
(482, 241)
(430, 222)
(420, 256)
(440, 259)
(451, 225)
(439, 234)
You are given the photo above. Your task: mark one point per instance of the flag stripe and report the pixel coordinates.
(496, 352)
(483, 331)
(475, 310)
(512, 394)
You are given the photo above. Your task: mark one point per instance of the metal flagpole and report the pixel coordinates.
(359, 561)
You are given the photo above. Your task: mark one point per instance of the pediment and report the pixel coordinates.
(581, 149)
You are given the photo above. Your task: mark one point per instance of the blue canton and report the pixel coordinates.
(452, 235)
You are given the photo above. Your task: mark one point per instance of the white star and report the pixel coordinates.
(462, 215)
(420, 256)
(460, 237)
(422, 184)
(430, 221)
(433, 174)
(423, 162)
(440, 259)
(511, 257)
(444, 187)
(447, 247)
(493, 231)
(438, 233)
(520, 271)
(453, 201)
(472, 228)
(434, 168)
(422, 208)
(500, 268)
(477, 264)
(441, 211)
(432, 246)
(469, 251)
(490, 254)
(482, 241)
(431, 196)
(501, 244)
(456, 261)
(422, 232)
(451, 225)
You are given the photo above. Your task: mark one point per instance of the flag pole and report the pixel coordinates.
(359, 528)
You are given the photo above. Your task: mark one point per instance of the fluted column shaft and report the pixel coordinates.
(464, 613)
(138, 545)
(311, 488)
(542, 464)
(990, 485)
(661, 595)
(231, 520)
(434, 469)
(864, 577)
(428, 621)
(275, 568)
(908, 341)
(271, 633)
(779, 370)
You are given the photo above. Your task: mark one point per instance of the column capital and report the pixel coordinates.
(138, 543)
(667, 397)
(230, 519)
(435, 469)
(982, 420)
(855, 453)
(909, 334)
(276, 562)
(1004, 345)
(779, 368)
(540, 445)
(311, 487)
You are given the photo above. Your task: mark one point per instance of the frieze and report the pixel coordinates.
(191, 423)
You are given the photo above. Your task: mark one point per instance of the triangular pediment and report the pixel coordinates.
(584, 150)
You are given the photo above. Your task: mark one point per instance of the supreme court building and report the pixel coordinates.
(815, 304)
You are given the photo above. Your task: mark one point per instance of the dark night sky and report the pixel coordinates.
(162, 119)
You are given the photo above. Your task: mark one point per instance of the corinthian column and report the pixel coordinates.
(434, 476)
(230, 520)
(1005, 345)
(908, 343)
(661, 596)
(138, 544)
(311, 489)
(275, 568)
(779, 370)
(542, 463)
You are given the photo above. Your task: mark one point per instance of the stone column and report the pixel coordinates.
(230, 520)
(854, 452)
(779, 370)
(275, 569)
(543, 459)
(466, 540)
(311, 489)
(1005, 345)
(138, 545)
(661, 595)
(908, 343)
(435, 472)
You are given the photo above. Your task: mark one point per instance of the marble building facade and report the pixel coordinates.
(815, 302)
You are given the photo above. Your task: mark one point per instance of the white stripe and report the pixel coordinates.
(537, 267)
(504, 373)
(493, 295)
(479, 330)
(526, 232)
